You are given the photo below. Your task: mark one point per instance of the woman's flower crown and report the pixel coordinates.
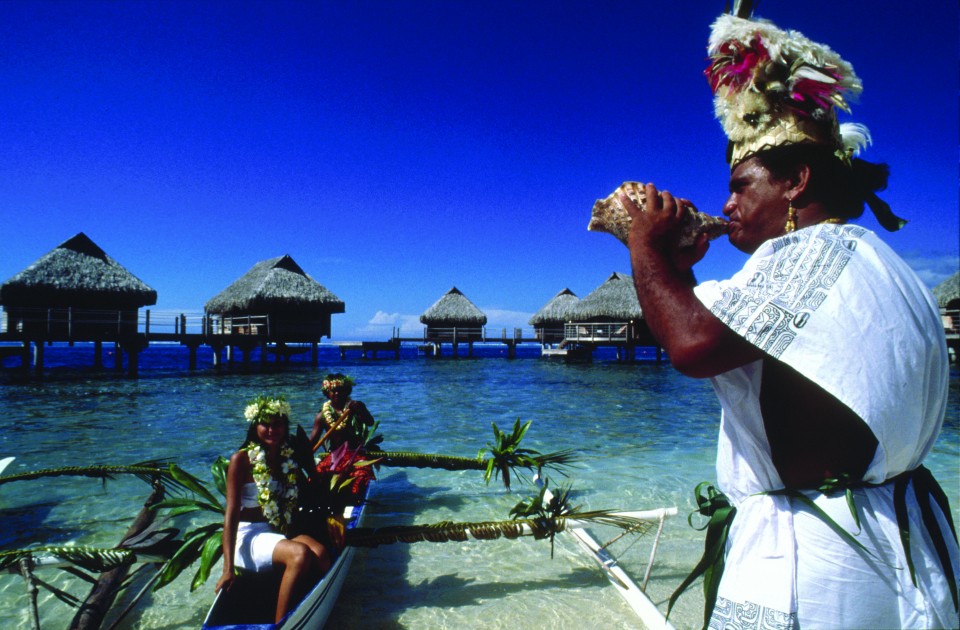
(263, 407)
(339, 381)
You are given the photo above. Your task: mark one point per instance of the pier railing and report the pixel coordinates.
(605, 332)
(68, 324)
(78, 324)
(475, 334)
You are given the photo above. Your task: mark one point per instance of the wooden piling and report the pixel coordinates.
(38, 357)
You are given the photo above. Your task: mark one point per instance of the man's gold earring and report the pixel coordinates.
(791, 218)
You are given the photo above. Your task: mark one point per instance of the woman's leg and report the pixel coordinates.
(304, 560)
(319, 551)
(298, 564)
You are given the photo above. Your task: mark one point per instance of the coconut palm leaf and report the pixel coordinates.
(197, 544)
(505, 456)
(203, 542)
(148, 471)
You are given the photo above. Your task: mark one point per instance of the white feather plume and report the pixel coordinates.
(855, 137)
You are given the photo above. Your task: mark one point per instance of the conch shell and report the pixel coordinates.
(611, 217)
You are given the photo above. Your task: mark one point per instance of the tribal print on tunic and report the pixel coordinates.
(787, 287)
(728, 615)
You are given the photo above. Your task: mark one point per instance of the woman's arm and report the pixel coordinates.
(236, 474)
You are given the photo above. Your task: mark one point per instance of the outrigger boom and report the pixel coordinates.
(634, 595)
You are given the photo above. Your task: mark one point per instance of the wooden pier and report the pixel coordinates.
(574, 342)
(369, 348)
(225, 336)
(233, 339)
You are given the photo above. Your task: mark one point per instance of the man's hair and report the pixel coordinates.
(841, 188)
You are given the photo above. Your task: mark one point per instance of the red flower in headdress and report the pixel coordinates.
(736, 64)
(345, 463)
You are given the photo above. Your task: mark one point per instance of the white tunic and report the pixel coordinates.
(840, 307)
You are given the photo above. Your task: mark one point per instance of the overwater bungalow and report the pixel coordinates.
(75, 292)
(275, 299)
(453, 319)
(549, 321)
(610, 316)
(947, 294)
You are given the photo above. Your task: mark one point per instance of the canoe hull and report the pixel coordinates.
(251, 602)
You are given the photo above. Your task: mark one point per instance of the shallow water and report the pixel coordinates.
(646, 435)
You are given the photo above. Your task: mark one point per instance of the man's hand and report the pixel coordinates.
(657, 226)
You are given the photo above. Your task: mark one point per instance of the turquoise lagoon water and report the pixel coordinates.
(645, 433)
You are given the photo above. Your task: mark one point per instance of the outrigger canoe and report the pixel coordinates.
(252, 600)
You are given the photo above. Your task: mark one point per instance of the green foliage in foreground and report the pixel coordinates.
(536, 517)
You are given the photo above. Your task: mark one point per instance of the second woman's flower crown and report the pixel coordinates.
(336, 381)
(264, 407)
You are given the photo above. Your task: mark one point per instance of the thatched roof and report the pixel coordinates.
(76, 273)
(272, 285)
(557, 311)
(453, 309)
(615, 299)
(948, 292)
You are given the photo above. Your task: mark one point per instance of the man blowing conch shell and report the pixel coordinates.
(826, 352)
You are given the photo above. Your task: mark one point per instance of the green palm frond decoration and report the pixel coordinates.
(203, 542)
(533, 517)
(407, 459)
(148, 471)
(505, 455)
(92, 559)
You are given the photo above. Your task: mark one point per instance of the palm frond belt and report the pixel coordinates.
(714, 505)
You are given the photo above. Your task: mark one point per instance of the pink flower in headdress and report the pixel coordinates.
(736, 64)
(816, 89)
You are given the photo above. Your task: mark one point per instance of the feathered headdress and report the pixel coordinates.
(773, 87)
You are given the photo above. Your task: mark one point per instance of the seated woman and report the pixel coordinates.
(262, 497)
(340, 419)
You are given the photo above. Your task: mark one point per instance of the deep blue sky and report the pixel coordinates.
(398, 148)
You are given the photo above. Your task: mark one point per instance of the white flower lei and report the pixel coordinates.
(332, 416)
(278, 498)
